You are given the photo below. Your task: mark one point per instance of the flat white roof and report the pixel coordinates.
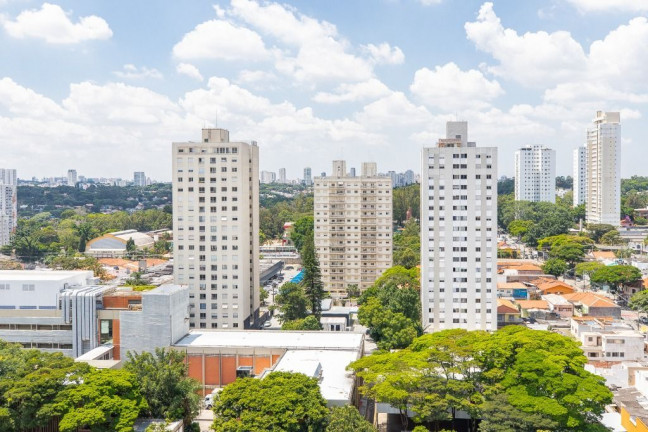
(42, 275)
(336, 383)
(310, 340)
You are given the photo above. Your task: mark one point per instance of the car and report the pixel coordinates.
(267, 324)
(289, 268)
(209, 401)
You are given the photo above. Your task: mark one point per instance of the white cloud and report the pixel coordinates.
(254, 76)
(430, 2)
(53, 25)
(21, 100)
(447, 87)
(610, 5)
(385, 54)
(368, 90)
(131, 71)
(218, 39)
(189, 70)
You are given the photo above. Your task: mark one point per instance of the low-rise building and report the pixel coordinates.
(558, 305)
(587, 303)
(533, 308)
(608, 340)
(114, 244)
(514, 290)
(507, 313)
(545, 287)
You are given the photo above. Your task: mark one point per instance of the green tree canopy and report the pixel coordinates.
(308, 323)
(616, 276)
(519, 227)
(165, 384)
(347, 419)
(312, 281)
(302, 229)
(639, 301)
(554, 266)
(596, 231)
(611, 238)
(293, 302)
(587, 268)
(568, 252)
(282, 401)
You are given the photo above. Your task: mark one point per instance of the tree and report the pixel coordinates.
(587, 268)
(302, 229)
(498, 415)
(518, 228)
(404, 199)
(312, 282)
(596, 231)
(616, 276)
(85, 232)
(282, 401)
(639, 301)
(263, 295)
(347, 419)
(569, 252)
(164, 381)
(308, 323)
(353, 291)
(293, 302)
(554, 266)
(623, 253)
(611, 238)
(387, 328)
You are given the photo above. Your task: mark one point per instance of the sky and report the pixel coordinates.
(105, 87)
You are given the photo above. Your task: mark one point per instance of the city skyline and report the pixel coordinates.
(379, 95)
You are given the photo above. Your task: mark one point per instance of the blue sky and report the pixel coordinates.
(105, 87)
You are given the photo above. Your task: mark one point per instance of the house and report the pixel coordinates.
(558, 305)
(606, 339)
(554, 287)
(507, 313)
(518, 271)
(587, 303)
(533, 308)
(515, 290)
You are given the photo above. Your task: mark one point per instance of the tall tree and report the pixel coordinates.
(616, 276)
(293, 302)
(348, 419)
(554, 266)
(312, 282)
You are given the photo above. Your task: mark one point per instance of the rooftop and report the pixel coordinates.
(511, 285)
(42, 275)
(590, 299)
(532, 304)
(556, 299)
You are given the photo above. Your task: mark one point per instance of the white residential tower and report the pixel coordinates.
(535, 174)
(580, 175)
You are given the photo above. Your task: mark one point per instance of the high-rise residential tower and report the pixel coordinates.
(458, 233)
(216, 229)
(139, 178)
(72, 177)
(604, 169)
(8, 204)
(308, 176)
(353, 227)
(268, 177)
(535, 174)
(580, 175)
(282, 175)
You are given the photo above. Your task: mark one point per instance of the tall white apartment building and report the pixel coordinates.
(216, 229)
(139, 178)
(308, 176)
(580, 175)
(8, 204)
(535, 174)
(604, 169)
(268, 177)
(353, 227)
(282, 175)
(458, 233)
(72, 177)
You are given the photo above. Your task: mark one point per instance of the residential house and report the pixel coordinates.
(533, 308)
(515, 290)
(605, 339)
(558, 305)
(587, 303)
(507, 313)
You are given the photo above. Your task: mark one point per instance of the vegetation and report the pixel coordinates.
(505, 186)
(308, 323)
(348, 419)
(639, 301)
(276, 211)
(303, 228)
(535, 377)
(312, 282)
(555, 266)
(390, 308)
(404, 199)
(563, 182)
(615, 276)
(282, 401)
(587, 268)
(293, 302)
(407, 245)
(165, 384)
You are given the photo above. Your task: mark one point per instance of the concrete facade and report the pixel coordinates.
(579, 175)
(353, 227)
(604, 169)
(535, 174)
(139, 178)
(216, 229)
(458, 233)
(8, 204)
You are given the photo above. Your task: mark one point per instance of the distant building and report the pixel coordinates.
(114, 244)
(308, 177)
(535, 174)
(268, 177)
(282, 175)
(71, 177)
(353, 227)
(604, 169)
(352, 172)
(580, 175)
(605, 339)
(139, 178)
(458, 233)
(8, 204)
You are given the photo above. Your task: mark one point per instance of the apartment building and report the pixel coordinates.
(139, 178)
(216, 229)
(535, 174)
(579, 175)
(353, 227)
(268, 177)
(458, 233)
(282, 175)
(72, 177)
(308, 176)
(605, 339)
(604, 169)
(8, 204)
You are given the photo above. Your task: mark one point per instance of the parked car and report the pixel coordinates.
(267, 324)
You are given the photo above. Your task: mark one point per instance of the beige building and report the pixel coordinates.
(216, 229)
(604, 169)
(353, 227)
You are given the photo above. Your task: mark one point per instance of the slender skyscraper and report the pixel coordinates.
(282, 175)
(71, 177)
(604, 169)
(8, 204)
(139, 178)
(535, 174)
(458, 233)
(216, 229)
(580, 175)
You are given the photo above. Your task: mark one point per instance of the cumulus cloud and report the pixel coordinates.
(51, 24)
(130, 71)
(189, 70)
(610, 6)
(447, 87)
(218, 39)
(368, 90)
(430, 2)
(385, 54)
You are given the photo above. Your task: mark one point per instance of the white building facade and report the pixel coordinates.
(458, 233)
(8, 204)
(604, 169)
(268, 177)
(535, 174)
(139, 178)
(308, 176)
(72, 177)
(216, 229)
(282, 175)
(580, 175)
(353, 227)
